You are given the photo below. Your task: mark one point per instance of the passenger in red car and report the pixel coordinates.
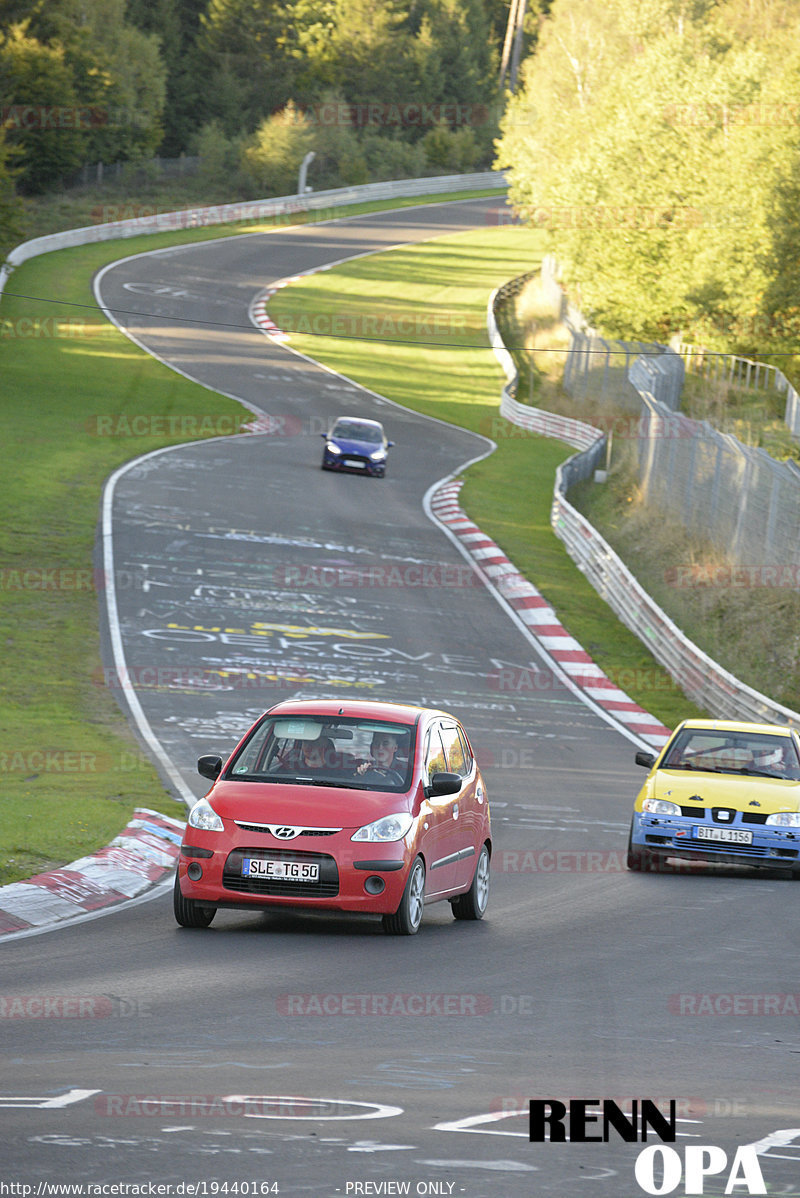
(318, 754)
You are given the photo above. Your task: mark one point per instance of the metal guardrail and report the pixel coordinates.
(737, 496)
(700, 678)
(733, 495)
(661, 375)
(742, 372)
(250, 210)
(620, 370)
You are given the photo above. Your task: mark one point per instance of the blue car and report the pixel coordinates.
(356, 444)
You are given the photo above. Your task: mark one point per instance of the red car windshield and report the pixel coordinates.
(361, 754)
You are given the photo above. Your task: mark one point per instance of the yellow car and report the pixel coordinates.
(720, 790)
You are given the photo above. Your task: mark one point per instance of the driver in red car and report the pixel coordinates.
(383, 751)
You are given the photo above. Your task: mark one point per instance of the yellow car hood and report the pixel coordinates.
(742, 791)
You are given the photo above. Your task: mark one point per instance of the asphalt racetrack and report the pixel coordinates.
(313, 1055)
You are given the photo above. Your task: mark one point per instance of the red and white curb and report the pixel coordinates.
(143, 854)
(260, 316)
(541, 621)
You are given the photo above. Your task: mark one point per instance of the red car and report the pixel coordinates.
(361, 806)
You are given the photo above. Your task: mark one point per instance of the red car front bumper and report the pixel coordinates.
(351, 876)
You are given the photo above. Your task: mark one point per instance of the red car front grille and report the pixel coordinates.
(305, 832)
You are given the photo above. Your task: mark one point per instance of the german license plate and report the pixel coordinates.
(728, 835)
(286, 871)
(354, 463)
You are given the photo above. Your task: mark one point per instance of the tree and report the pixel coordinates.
(11, 212)
(176, 24)
(83, 86)
(242, 54)
(43, 120)
(117, 68)
(450, 150)
(358, 49)
(642, 140)
(273, 156)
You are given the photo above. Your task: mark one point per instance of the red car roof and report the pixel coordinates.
(357, 708)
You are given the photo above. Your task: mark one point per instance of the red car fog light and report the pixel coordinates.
(195, 871)
(374, 885)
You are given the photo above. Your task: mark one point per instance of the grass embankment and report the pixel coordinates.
(531, 326)
(754, 416)
(434, 358)
(744, 618)
(71, 770)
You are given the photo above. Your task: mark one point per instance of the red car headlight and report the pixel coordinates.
(389, 828)
(204, 816)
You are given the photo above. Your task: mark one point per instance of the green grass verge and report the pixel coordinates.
(453, 375)
(70, 768)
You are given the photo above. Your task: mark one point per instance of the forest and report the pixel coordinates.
(658, 144)
(377, 88)
(655, 142)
